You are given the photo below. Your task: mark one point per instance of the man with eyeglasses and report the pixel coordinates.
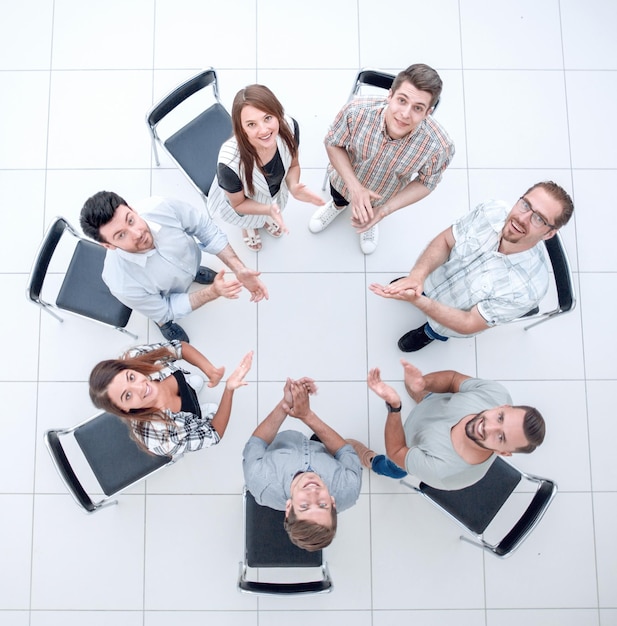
(486, 269)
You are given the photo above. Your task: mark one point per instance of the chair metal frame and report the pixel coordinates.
(40, 266)
(62, 463)
(564, 282)
(311, 559)
(546, 490)
(173, 99)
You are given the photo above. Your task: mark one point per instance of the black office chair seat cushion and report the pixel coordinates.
(267, 542)
(196, 146)
(476, 506)
(83, 290)
(116, 460)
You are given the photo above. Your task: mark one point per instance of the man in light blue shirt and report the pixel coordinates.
(154, 256)
(308, 479)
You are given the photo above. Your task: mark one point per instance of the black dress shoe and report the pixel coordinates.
(171, 331)
(205, 276)
(414, 340)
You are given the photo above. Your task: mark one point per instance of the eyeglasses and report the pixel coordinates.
(536, 219)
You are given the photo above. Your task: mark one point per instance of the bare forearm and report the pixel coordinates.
(327, 435)
(412, 193)
(444, 381)
(221, 417)
(202, 296)
(436, 253)
(340, 162)
(193, 356)
(463, 322)
(293, 175)
(230, 258)
(396, 446)
(252, 207)
(269, 427)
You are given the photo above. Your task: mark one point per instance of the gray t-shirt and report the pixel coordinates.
(431, 456)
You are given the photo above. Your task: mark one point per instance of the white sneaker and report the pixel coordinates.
(369, 240)
(322, 218)
(195, 381)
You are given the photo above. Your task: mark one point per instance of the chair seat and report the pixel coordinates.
(477, 505)
(115, 458)
(190, 145)
(83, 290)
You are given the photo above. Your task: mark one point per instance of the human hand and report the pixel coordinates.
(384, 391)
(228, 289)
(413, 281)
(300, 406)
(302, 193)
(407, 295)
(362, 205)
(362, 228)
(236, 378)
(248, 278)
(277, 217)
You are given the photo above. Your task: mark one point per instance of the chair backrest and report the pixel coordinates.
(561, 270)
(267, 545)
(195, 145)
(115, 459)
(43, 258)
(82, 291)
(180, 93)
(475, 507)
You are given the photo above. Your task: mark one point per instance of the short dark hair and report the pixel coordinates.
(98, 211)
(560, 195)
(422, 77)
(308, 535)
(534, 428)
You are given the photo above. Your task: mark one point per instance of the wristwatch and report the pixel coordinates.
(391, 409)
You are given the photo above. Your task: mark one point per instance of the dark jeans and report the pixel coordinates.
(337, 198)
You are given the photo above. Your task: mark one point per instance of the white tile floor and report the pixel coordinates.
(530, 93)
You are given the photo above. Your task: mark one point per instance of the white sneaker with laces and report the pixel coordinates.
(369, 240)
(322, 218)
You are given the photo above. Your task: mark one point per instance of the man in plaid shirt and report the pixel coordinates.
(385, 154)
(488, 268)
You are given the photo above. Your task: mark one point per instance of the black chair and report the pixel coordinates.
(116, 461)
(564, 283)
(83, 291)
(194, 145)
(267, 545)
(475, 507)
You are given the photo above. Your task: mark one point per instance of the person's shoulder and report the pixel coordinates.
(436, 131)
(365, 105)
(229, 151)
(490, 387)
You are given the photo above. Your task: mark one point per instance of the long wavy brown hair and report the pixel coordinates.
(105, 371)
(263, 99)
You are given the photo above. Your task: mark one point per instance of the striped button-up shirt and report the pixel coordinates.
(385, 165)
(502, 286)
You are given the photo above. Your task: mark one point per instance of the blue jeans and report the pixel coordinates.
(381, 464)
